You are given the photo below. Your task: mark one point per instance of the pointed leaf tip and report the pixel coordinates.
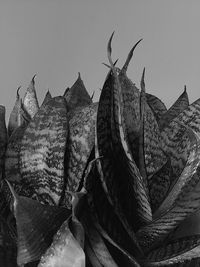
(129, 57)
(109, 49)
(185, 88)
(18, 91)
(142, 81)
(79, 75)
(33, 79)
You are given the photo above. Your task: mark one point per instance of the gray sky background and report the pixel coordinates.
(58, 39)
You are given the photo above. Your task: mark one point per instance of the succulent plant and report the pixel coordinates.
(113, 183)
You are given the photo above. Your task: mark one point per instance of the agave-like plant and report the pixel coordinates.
(113, 183)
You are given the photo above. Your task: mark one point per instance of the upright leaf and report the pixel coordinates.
(13, 122)
(3, 139)
(181, 103)
(156, 105)
(30, 100)
(77, 95)
(79, 146)
(42, 153)
(47, 98)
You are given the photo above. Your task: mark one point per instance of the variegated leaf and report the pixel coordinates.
(156, 105)
(46, 98)
(180, 251)
(42, 153)
(104, 213)
(36, 225)
(159, 185)
(77, 95)
(13, 122)
(183, 200)
(30, 100)
(181, 103)
(79, 146)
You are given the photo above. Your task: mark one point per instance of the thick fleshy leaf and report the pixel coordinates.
(159, 185)
(77, 95)
(12, 158)
(104, 213)
(182, 201)
(13, 122)
(181, 251)
(79, 146)
(156, 105)
(118, 190)
(181, 103)
(65, 250)
(68, 243)
(136, 185)
(42, 153)
(30, 100)
(36, 225)
(47, 98)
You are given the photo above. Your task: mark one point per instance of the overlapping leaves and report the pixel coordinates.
(113, 184)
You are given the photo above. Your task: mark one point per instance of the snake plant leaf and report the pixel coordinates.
(12, 157)
(77, 95)
(79, 146)
(182, 201)
(65, 250)
(36, 225)
(121, 256)
(182, 250)
(159, 185)
(68, 243)
(136, 186)
(30, 100)
(156, 105)
(95, 243)
(181, 103)
(46, 98)
(114, 186)
(103, 212)
(42, 153)
(13, 122)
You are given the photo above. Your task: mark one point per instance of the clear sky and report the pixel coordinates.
(56, 39)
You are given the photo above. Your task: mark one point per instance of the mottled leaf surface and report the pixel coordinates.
(156, 105)
(30, 100)
(42, 153)
(183, 200)
(79, 146)
(77, 95)
(181, 103)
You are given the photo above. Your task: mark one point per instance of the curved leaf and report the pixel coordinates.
(183, 200)
(36, 225)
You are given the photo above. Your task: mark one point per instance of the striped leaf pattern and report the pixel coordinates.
(79, 146)
(30, 100)
(13, 122)
(156, 105)
(176, 210)
(42, 153)
(77, 95)
(181, 103)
